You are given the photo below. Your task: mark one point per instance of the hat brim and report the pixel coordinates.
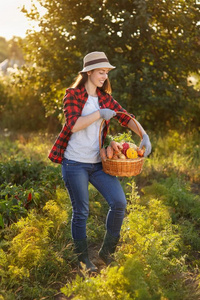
(98, 66)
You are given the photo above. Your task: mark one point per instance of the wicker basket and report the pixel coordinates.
(121, 167)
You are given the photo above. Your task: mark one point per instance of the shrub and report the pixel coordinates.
(150, 264)
(35, 252)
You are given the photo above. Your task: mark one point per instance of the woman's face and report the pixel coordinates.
(97, 77)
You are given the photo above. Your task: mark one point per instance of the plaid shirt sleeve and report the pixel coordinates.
(123, 119)
(72, 108)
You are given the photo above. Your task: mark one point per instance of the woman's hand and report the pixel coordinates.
(107, 113)
(146, 143)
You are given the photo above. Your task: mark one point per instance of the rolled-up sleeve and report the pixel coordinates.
(122, 118)
(71, 108)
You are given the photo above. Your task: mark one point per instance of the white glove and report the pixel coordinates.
(107, 113)
(146, 143)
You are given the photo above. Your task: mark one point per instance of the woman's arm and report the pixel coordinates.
(144, 136)
(127, 121)
(84, 121)
(133, 127)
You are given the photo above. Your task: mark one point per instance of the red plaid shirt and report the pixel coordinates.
(74, 101)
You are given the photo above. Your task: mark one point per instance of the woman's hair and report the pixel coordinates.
(83, 77)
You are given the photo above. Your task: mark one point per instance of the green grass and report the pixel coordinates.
(158, 255)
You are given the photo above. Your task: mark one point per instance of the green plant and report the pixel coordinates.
(158, 254)
(150, 262)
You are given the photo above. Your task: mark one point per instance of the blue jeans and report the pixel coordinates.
(77, 176)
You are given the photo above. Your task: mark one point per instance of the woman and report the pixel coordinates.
(86, 104)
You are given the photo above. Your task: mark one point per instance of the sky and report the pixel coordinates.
(12, 21)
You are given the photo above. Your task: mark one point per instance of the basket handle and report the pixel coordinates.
(119, 112)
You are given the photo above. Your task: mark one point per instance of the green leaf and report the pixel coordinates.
(1, 221)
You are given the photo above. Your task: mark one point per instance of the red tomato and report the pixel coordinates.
(140, 152)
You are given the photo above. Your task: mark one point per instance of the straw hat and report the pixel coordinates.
(95, 60)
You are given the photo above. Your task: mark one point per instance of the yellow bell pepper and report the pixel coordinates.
(131, 153)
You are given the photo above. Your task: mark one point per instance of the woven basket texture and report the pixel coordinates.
(122, 167)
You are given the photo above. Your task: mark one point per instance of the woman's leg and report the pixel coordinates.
(111, 189)
(75, 176)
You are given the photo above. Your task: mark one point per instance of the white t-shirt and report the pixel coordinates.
(83, 145)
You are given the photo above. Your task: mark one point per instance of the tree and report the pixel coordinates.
(153, 44)
(3, 49)
(15, 49)
(11, 49)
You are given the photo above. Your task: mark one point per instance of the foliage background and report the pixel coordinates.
(155, 47)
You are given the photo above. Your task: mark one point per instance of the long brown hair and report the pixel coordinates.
(82, 78)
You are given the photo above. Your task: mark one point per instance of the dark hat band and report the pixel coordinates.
(95, 61)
